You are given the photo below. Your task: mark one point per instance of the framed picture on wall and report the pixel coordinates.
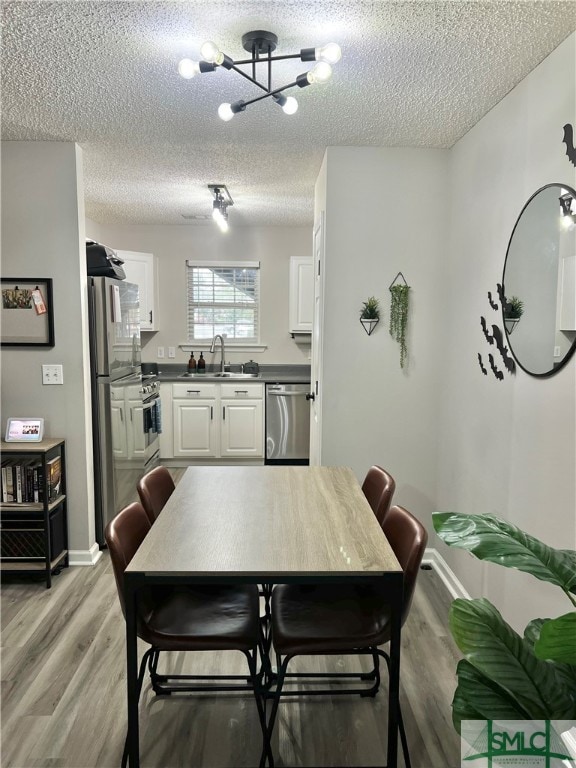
(26, 312)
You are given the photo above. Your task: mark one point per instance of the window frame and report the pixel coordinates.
(190, 304)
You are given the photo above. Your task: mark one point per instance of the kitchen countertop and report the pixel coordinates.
(280, 374)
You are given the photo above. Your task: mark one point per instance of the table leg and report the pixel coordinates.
(394, 683)
(132, 673)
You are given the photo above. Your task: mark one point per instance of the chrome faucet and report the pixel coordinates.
(213, 349)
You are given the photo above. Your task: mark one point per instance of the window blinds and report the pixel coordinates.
(224, 297)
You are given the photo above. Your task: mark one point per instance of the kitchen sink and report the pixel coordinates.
(229, 375)
(219, 375)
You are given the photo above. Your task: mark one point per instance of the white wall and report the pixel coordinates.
(453, 438)
(173, 245)
(43, 236)
(386, 212)
(506, 447)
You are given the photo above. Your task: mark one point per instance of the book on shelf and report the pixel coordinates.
(54, 477)
(21, 481)
(7, 483)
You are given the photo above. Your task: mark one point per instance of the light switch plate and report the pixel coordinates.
(160, 352)
(171, 351)
(556, 351)
(52, 374)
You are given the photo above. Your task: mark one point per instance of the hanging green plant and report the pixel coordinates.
(399, 317)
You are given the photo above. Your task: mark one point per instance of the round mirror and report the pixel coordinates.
(539, 282)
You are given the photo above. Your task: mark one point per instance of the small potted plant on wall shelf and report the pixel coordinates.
(370, 314)
(513, 311)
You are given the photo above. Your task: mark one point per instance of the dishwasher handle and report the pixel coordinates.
(277, 393)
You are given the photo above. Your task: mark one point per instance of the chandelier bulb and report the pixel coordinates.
(188, 68)
(321, 73)
(290, 106)
(330, 53)
(225, 112)
(211, 53)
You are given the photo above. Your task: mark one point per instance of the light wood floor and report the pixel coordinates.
(63, 691)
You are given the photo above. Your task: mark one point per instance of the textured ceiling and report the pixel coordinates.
(104, 74)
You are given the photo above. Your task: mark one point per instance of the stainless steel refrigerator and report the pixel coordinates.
(117, 395)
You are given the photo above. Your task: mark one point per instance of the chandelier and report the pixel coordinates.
(261, 45)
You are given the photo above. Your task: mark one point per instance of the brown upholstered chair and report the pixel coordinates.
(154, 490)
(194, 618)
(379, 487)
(344, 619)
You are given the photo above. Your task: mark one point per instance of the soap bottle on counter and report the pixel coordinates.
(201, 363)
(192, 364)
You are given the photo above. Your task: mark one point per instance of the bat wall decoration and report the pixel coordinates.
(508, 361)
(495, 370)
(496, 337)
(491, 301)
(487, 334)
(569, 141)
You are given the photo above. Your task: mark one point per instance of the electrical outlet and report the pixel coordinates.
(52, 374)
(171, 351)
(160, 352)
(556, 351)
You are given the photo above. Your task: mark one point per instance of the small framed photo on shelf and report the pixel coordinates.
(24, 430)
(26, 312)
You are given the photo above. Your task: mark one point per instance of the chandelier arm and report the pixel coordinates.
(272, 58)
(269, 93)
(251, 79)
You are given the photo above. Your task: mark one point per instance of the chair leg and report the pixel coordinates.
(255, 678)
(275, 695)
(374, 675)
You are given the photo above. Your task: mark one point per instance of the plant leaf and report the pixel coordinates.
(492, 539)
(566, 672)
(557, 639)
(532, 631)
(479, 698)
(492, 647)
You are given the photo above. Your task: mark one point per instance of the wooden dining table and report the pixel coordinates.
(265, 524)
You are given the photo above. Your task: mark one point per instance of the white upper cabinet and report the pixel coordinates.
(141, 269)
(301, 294)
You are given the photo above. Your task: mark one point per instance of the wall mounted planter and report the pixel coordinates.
(369, 325)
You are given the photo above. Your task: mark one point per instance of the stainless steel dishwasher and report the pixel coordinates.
(287, 424)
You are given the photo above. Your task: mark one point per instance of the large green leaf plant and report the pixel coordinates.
(504, 676)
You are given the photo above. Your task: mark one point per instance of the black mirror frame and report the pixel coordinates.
(572, 349)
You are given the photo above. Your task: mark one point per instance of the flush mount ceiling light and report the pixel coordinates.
(261, 44)
(222, 200)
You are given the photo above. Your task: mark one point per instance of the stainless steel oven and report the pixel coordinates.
(152, 417)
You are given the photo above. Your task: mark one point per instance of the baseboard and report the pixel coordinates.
(85, 556)
(449, 579)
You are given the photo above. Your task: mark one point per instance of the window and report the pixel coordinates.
(224, 297)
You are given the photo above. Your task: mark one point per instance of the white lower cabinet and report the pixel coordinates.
(194, 420)
(241, 431)
(213, 420)
(194, 433)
